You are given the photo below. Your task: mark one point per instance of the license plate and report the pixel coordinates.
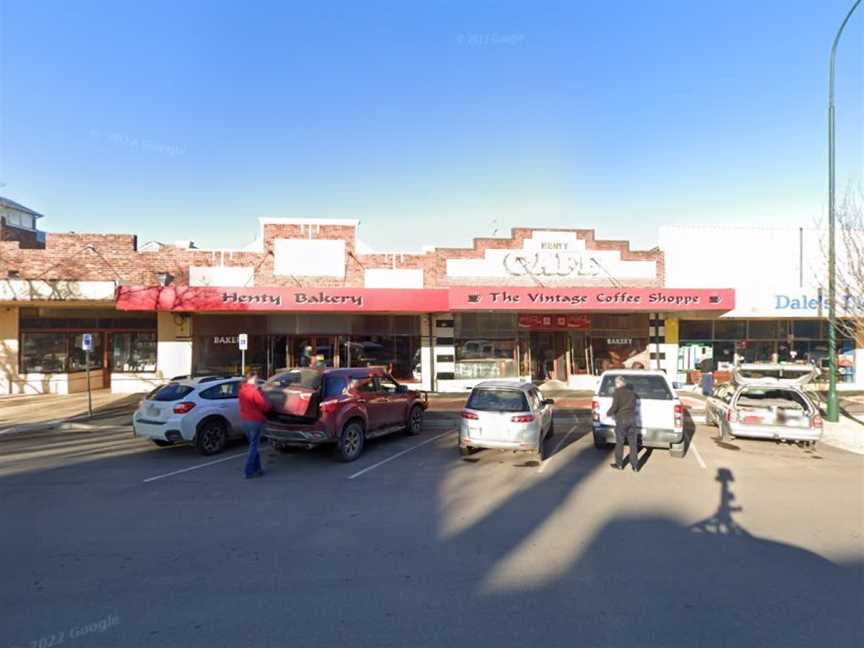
(152, 410)
(474, 432)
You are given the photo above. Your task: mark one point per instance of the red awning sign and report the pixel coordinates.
(592, 299)
(422, 300)
(350, 300)
(553, 321)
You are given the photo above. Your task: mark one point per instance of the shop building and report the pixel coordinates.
(781, 300)
(541, 304)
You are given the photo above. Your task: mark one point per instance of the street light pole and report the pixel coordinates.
(832, 413)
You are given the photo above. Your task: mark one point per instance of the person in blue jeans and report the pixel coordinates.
(253, 407)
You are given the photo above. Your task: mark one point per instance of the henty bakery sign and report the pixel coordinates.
(192, 299)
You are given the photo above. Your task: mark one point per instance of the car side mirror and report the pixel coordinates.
(547, 401)
(401, 389)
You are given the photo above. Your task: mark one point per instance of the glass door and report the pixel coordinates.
(312, 351)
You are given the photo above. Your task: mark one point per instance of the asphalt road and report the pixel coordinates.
(108, 541)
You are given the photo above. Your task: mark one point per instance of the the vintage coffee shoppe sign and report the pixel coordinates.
(430, 300)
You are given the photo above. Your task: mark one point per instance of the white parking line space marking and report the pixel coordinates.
(399, 454)
(190, 468)
(696, 454)
(557, 448)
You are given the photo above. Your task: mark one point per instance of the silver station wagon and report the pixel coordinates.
(766, 403)
(506, 415)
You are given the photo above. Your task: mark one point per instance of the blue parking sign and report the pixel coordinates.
(87, 342)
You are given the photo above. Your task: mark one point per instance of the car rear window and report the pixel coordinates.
(334, 386)
(308, 378)
(497, 400)
(171, 392)
(647, 387)
(772, 397)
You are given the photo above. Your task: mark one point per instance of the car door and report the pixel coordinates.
(368, 392)
(223, 399)
(714, 403)
(395, 401)
(541, 411)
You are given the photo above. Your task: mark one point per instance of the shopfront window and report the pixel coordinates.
(482, 358)
(78, 357)
(133, 352)
(400, 354)
(51, 340)
(43, 352)
(733, 342)
(696, 329)
(486, 345)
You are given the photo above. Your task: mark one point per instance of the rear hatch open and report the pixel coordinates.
(773, 406)
(294, 396)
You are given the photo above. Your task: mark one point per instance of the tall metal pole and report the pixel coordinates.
(833, 410)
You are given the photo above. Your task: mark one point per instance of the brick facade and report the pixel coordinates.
(93, 257)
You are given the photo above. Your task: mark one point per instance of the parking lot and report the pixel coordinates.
(111, 541)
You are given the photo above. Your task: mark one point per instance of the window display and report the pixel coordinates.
(133, 352)
(482, 358)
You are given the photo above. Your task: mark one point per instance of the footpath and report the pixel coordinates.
(38, 412)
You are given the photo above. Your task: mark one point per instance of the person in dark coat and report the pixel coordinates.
(623, 410)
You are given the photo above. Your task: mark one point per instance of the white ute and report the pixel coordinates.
(659, 411)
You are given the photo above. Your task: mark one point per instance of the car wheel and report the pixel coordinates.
(599, 443)
(678, 450)
(162, 443)
(350, 444)
(212, 437)
(466, 451)
(415, 421)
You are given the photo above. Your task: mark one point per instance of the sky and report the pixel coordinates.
(431, 122)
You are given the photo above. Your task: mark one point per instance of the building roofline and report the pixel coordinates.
(5, 202)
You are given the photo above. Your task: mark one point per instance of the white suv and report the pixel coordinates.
(659, 411)
(204, 411)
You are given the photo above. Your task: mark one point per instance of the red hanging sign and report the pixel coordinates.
(553, 321)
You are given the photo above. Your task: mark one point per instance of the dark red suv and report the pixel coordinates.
(311, 407)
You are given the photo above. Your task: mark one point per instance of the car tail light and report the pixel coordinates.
(731, 416)
(329, 406)
(523, 418)
(595, 410)
(182, 408)
(679, 415)
(471, 416)
(817, 422)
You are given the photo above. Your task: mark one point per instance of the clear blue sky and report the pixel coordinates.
(427, 121)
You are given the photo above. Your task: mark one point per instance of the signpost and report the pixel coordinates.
(243, 343)
(87, 347)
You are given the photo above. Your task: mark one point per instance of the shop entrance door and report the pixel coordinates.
(277, 353)
(549, 355)
(312, 350)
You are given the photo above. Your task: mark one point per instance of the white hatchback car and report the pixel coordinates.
(506, 416)
(204, 411)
